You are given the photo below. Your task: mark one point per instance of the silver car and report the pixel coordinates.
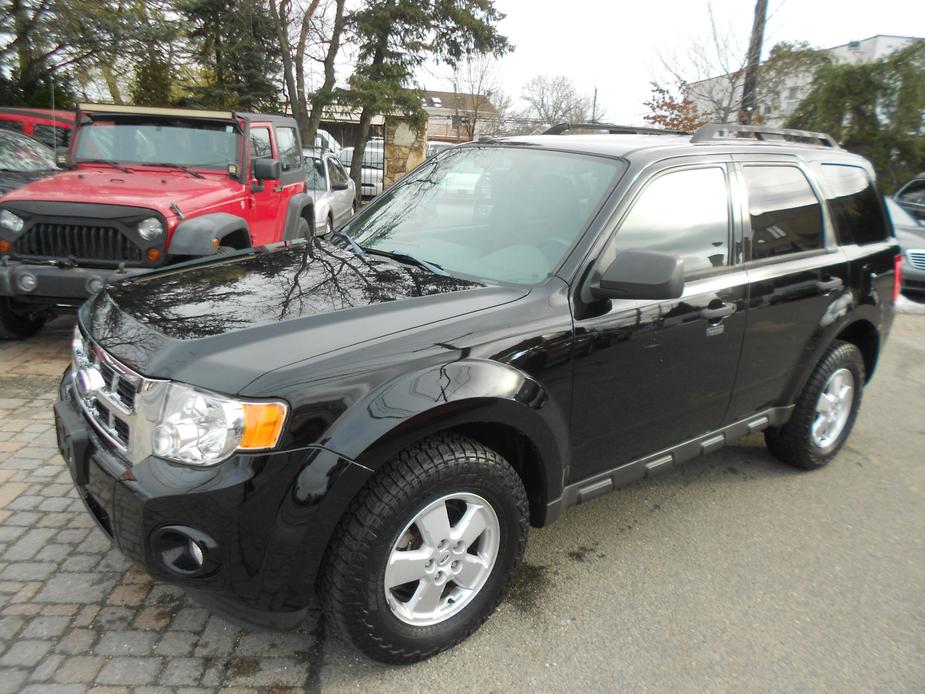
(371, 171)
(910, 233)
(332, 189)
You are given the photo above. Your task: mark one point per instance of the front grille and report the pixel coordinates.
(77, 241)
(917, 259)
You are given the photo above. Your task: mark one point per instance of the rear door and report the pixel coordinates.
(652, 374)
(343, 199)
(798, 278)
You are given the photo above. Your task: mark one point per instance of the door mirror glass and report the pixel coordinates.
(641, 274)
(267, 169)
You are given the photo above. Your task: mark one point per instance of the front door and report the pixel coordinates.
(652, 374)
(265, 195)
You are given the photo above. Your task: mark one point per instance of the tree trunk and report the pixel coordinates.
(323, 96)
(111, 83)
(308, 135)
(356, 163)
(280, 16)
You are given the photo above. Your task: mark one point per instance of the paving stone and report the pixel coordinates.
(130, 595)
(176, 643)
(27, 571)
(53, 689)
(190, 619)
(163, 595)
(26, 608)
(130, 671)
(218, 638)
(81, 668)
(29, 544)
(183, 672)
(77, 642)
(108, 690)
(11, 680)
(27, 518)
(126, 643)
(268, 643)
(44, 670)
(53, 553)
(10, 626)
(27, 592)
(115, 618)
(86, 616)
(45, 627)
(152, 618)
(25, 502)
(71, 535)
(8, 533)
(76, 587)
(267, 672)
(77, 563)
(25, 653)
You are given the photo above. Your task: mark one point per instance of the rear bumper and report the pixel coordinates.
(263, 521)
(69, 286)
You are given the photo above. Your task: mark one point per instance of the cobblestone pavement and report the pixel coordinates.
(699, 579)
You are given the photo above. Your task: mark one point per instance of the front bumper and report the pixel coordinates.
(67, 286)
(913, 278)
(266, 519)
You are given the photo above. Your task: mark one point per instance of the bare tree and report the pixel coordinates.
(478, 80)
(331, 41)
(292, 22)
(554, 99)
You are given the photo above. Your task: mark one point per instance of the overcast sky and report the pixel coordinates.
(615, 45)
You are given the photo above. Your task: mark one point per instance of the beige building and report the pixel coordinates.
(458, 117)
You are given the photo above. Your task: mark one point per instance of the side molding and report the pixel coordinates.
(196, 236)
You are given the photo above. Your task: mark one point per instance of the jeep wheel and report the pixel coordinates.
(426, 551)
(16, 322)
(304, 231)
(825, 411)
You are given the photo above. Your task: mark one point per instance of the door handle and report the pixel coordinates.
(720, 311)
(829, 284)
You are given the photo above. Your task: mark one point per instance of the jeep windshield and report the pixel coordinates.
(496, 213)
(190, 143)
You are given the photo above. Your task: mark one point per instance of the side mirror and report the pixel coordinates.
(638, 274)
(340, 185)
(267, 170)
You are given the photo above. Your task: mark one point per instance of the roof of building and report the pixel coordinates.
(458, 101)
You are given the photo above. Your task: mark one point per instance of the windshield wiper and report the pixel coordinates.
(113, 164)
(183, 168)
(354, 246)
(407, 258)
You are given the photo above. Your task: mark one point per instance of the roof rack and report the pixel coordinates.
(560, 128)
(712, 132)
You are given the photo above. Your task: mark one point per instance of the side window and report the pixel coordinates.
(289, 155)
(855, 204)
(786, 216)
(52, 136)
(260, 144)
(685, 213)
(913, 192)
(335, 172)
(13, 125)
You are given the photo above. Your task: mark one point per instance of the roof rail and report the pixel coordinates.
(560, 128)
(712, 132)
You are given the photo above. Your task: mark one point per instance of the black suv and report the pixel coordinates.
(521, 325)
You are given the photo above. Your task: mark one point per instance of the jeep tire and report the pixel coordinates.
(17, 323)
(825, 410)
(447, 509)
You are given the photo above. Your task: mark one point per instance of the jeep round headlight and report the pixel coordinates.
(11, 221)
(201, 428)
(150, 228)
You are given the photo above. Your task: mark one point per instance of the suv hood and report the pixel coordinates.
(220, 324)
(155, 189)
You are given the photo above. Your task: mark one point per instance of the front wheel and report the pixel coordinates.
(824, 412)
(426, 551)
(17, 322)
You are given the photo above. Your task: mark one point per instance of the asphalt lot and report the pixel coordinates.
(734, 573)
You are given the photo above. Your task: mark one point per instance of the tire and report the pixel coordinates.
(448, 472)
(304, 230)
(796, 442)
(16, 324)
(353, 208)
(222, 250)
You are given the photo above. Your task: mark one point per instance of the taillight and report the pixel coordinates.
(897, 276)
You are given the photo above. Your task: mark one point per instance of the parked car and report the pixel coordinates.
(371, 172)
(51, 128)
(911, 196)
(434, 147)
(379, 414)
(910, 233)
(23, 160)
(326, 141)
(148, 187)
(331, 188)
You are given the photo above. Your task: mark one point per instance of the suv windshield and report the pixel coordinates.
(503, 214)
(193, 143)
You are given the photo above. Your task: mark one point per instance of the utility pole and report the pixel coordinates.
(594, 107)
(754, 58)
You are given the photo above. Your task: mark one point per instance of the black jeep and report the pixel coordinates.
(519, 326)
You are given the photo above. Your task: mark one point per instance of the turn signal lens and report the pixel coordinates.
(263, 424)
(5, 246)
(154, 254)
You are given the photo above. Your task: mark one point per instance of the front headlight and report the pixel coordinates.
(150, 228)
(11, 221)
(201, 428)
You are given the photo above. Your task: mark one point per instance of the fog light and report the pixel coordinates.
(94, 284)
(5, 246)
(27, 281)
(185, 551)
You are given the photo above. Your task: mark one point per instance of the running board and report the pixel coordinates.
(593, 487)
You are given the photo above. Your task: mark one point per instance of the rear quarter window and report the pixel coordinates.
(855, 204)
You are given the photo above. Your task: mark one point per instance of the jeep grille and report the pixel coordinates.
(77, 241)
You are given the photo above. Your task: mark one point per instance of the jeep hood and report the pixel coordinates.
(155, 189)
(222, 323)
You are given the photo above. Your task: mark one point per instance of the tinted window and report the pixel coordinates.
(913, 192)
(855, 204)
(786, 216)
(13, 125)
(260, 144)
(51, 135)
(21, 153)
(290, 157)
(685, 213)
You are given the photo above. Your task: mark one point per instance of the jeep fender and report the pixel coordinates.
(297, 204)
(197, 236)
(468, 392)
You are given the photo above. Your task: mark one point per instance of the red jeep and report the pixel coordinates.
(146, 187)
(51, 128)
